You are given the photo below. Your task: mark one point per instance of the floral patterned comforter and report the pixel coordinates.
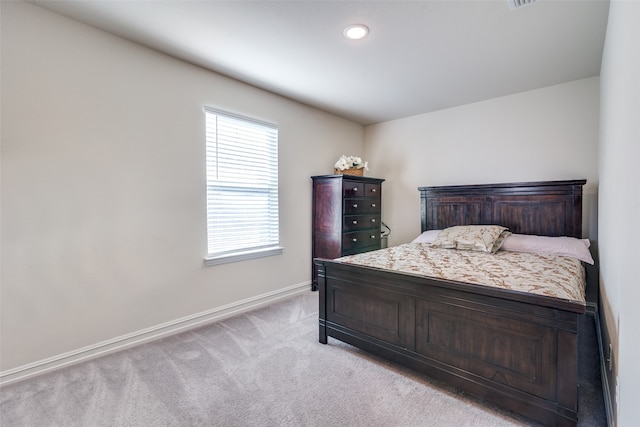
(550, 275)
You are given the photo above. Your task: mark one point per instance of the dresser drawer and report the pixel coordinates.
(372, 190)
(361, 206)
(358, 222)
(353, 189)
(360, 239)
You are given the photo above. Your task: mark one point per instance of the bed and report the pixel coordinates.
(515, 349)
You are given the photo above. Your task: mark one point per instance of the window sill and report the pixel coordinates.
(242, 256)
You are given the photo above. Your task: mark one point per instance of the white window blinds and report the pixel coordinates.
(242, 188)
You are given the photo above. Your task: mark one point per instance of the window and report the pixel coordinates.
(242, 188)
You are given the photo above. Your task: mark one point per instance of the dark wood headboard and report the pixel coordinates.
(546, 208)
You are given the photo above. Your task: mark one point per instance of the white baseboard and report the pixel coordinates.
(149, 334)
(606, 391)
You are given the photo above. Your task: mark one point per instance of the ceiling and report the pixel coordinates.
(420, 56)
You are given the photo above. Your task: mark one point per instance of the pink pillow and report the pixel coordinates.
(567, 246)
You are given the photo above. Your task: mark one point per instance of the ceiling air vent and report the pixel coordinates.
(517, 4)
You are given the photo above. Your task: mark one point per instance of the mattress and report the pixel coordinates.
(553, 276)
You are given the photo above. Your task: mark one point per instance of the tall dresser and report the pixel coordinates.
(346, 217)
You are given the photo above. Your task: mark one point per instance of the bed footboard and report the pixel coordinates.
(513, 351)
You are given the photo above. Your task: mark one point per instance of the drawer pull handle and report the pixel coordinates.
(373, 190)
(355, 188)
(355, 222)
(373, 220)
(355, 205)
(373, 205)
(373, 236)
(354, 240)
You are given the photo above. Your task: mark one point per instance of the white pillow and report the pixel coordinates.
(567, 246)
(427, 237)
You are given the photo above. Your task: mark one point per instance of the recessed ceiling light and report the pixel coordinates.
(356, 31)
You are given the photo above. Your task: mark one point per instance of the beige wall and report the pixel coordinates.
(619, 203)
(545, 134)
(103, 187)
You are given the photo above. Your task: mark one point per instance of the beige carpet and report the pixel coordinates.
(263, 368)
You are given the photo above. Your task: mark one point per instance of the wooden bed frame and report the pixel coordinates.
(515, 350)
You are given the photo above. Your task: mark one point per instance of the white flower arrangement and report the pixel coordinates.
(351, 162)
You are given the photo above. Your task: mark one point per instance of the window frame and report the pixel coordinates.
(242, 186)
